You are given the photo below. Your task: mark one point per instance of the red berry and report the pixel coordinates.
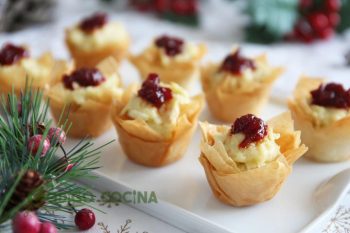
(303, 31)
(26, 222)
(69, 167)
(171, 45)
(333, 19)
(161, 5)
(331, 95)
(326, 33)
(47, 227)
(235, 63)
(153, 93)
(332, 5)
(93, 22)
(318, 21)
(34, 144)
(85, 219)
(10, 54)
(305, 3)
(253, 128)
(56, 134)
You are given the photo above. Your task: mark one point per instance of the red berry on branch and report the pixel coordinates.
(47, 227)
(318, 21)
(57, 135)
(303, 31)
(303, 4)
(332, 5)
(34, 144)
(69, 167)
(333, 18)
(26, 222)
(161, 5)
(326, 33)
(85, 219)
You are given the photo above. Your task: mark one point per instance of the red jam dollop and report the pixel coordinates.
(331, 95)
(84, 77)
(10, 54)
(93, 22)
(253, 128)
(171, 45)
(235, 63)
(153, 93)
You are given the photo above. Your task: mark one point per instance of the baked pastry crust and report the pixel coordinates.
(145, 146)
(16, 75)
(83, 58)
(238, 187)
(182, 73)
(242, 102)
(92, 118)
(329, 143)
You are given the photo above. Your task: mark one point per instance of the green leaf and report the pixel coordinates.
(344, 16)
(272, 18)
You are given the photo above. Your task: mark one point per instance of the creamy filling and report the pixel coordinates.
(111, 33)
(104, 93)
(164, 119)
(255, 155)
(246, 81)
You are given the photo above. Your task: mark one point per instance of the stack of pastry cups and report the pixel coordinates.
(182, 73)
(228, 105)
(329, 143)
(92, 118)
(82, 58)
(145, 146)
(18, 78)
(238, 187)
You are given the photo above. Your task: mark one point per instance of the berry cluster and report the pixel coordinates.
(28, 222)
(318, 21)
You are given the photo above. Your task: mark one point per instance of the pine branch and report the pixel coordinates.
(17, 125)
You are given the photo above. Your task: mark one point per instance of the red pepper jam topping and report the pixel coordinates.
(171, 45)
(93, 22)
(10, 54)
(331, 95)
(153, 93)
(253, 128)
(235, 63)
(84, 77)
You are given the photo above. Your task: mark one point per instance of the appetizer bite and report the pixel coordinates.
(155, 125)
(321, 111)
(172, 58)
(17, 68)
(86, 95)
(95, 38)
(238, 85)
(247, 163)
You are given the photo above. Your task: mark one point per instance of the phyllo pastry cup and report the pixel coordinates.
(87, 107)
(155, 144)
(18, 69)
(182, 67)
(94, 39)
(230, 95)
(325, 130)
(243, 184)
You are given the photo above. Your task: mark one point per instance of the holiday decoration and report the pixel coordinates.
(298, 20)
(36, 172)
(17, 14)
(85, 219)
(179, 11)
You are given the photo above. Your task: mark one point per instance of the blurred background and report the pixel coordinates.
(310, 36)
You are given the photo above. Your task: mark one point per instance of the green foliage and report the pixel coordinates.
(15, 158)
(270, 20)
(344, 15)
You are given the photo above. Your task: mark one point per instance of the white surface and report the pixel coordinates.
(184, 182)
